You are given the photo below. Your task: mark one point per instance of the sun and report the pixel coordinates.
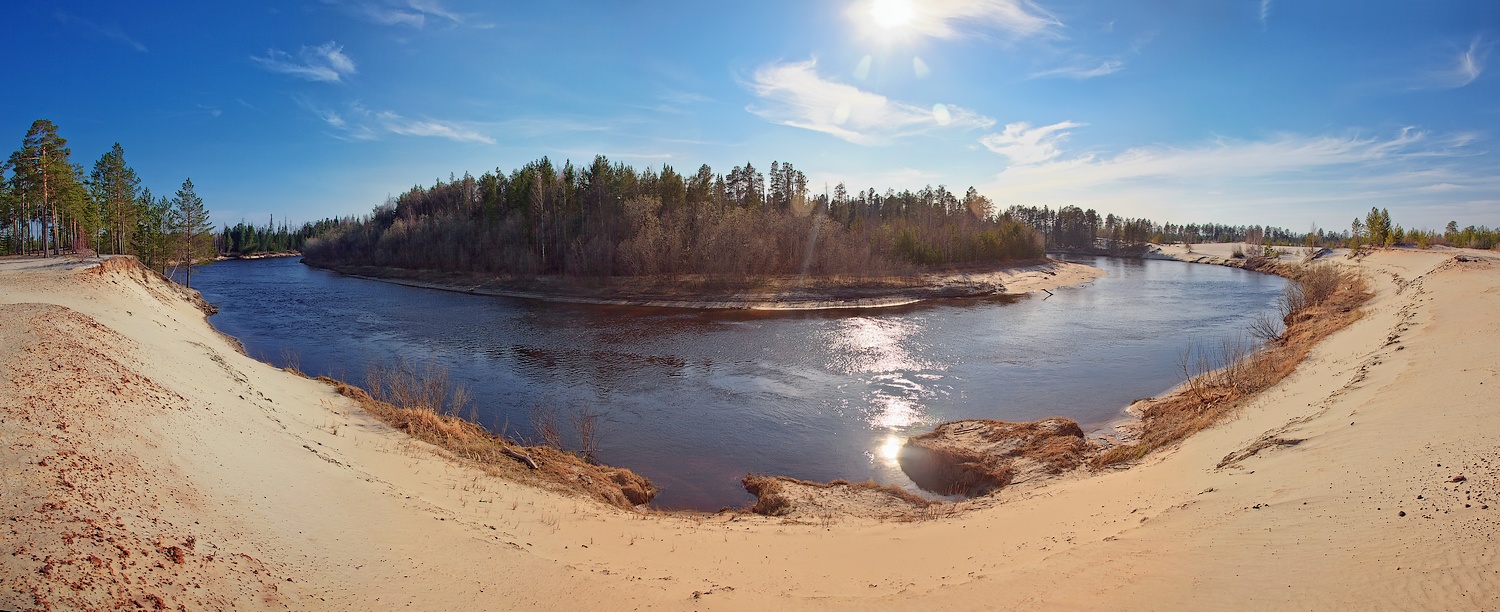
(890, 14)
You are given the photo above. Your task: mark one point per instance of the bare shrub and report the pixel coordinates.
(1267, 328)
(404, 385)
(586, 425)
(292, 359)
(544, 423)
(1317, 283)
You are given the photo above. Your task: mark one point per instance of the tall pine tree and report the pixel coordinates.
(190, 223)
(115, 190)
(45, 180)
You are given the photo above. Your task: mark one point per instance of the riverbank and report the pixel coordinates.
(147, 461)
(765, 293)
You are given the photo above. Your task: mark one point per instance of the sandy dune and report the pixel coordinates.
(145, 461)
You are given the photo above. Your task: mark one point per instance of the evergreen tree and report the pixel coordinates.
(190, 223)
(45, 179)
(10, 213)
(114, 187)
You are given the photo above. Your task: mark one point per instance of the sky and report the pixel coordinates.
(1270, 112)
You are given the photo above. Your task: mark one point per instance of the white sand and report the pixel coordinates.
(153, 429)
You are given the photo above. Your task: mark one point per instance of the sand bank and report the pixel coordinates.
(771, 293)
(145, 460)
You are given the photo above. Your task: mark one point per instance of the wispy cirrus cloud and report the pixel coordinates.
(1083, 70)
(1470, 63)
(411, 13)
(110, 31)
(1463, 67)
(360, 123)
(964, 18)
(326, 62)
(794, 94)
(1024, 144)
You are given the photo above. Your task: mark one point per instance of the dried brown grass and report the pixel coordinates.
(975, 457)
(1320, 301)
(772, 499)
(431, 416)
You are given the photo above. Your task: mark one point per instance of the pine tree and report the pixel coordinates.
(190, 222)
(115, 190)
(44, 177)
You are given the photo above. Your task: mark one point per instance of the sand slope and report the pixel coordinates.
(145, 460)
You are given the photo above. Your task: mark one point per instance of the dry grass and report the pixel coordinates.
(1320, 301)
(769, 500)
(772, 497)
(975, 457)
(425, 406)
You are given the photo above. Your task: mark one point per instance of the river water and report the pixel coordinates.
(695, 400)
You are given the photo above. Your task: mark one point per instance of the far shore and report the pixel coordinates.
(790, 293)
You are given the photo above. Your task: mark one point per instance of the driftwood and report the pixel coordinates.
(520, 456)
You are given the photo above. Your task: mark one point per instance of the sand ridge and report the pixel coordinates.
(339, 512)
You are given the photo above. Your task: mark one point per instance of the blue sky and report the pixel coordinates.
(1249, 111)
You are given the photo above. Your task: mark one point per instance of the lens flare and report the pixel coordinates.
(940, 114)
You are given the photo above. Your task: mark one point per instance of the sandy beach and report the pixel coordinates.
(769, 294)
(147, 462)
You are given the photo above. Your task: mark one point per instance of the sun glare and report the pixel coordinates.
(891, 449)
(891, 14)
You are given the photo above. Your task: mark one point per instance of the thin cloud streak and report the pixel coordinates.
(412, 13)
(326, 62)
(361, 123)
(796, 95)
(110, 31)
(1083, 71)
(1471, 63)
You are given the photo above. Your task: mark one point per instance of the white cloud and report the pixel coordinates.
(1470, 63)
(1459, 70)
(964, 18)
(325, 62)
(796, 95)
(396, 124)
(1265, 12)
(413, 13)
(1285, 179)
(361, 123)
(1083, 70)
(1024, 144)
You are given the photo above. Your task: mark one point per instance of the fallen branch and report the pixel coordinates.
(520, 456)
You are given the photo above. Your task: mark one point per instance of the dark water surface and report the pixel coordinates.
(696, 400)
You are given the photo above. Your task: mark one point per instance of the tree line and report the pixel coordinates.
(246, 239)
(609, 219)
(50, 205)
(1071, 227)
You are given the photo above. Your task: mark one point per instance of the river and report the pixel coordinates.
(694, 400)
